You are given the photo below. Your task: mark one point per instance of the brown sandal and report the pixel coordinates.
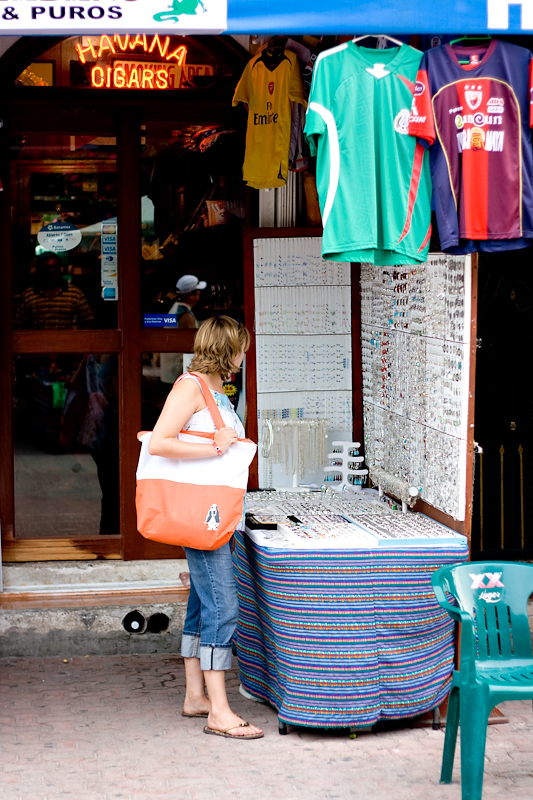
(203, 714)
(227, 735)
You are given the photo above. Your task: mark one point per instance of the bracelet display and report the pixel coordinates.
(217, 448)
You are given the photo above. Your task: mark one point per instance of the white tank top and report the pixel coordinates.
(203, 421)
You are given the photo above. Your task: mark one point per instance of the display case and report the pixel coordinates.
(339, 626)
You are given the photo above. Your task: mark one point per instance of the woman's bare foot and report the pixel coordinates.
(196, 705)
(231, 721)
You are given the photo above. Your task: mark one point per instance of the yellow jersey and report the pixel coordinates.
(269, 86)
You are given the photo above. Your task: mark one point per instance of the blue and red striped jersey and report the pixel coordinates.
(475, 117)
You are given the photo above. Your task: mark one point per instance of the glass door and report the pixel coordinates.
(110, 196)
(65, 405)
(190, 218)
(60, 485)
(103, 227)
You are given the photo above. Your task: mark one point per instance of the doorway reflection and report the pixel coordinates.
(66, 445)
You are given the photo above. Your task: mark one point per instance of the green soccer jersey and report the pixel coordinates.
(373, 179)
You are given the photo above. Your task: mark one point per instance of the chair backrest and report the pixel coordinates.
(495, 595)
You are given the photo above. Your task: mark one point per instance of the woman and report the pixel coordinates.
(213, 608)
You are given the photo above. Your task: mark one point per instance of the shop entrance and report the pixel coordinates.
(114, 194)
(503, 517)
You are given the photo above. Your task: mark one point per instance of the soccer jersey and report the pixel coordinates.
(373, 179)
(269, 86)
(475, 118)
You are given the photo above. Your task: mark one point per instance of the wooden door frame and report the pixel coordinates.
(112, 112)
(20, 342)
(136, 340)
(129, 340)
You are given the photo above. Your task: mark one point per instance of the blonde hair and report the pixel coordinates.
(218, 342)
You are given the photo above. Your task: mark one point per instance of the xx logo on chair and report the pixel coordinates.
(494, 582)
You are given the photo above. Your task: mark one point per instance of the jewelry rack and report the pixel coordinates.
(346, 469)
(303, 356)
(298, 445)
(415, 337)
(395, 486)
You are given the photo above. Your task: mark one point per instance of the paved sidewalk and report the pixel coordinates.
(109, 727)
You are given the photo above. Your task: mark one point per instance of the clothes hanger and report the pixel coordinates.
(376, 36)
(275, 50)
(276, 42)
(472, 38)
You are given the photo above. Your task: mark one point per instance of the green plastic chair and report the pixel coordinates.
(496, 656)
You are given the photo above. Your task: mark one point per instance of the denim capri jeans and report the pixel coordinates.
(212, 610)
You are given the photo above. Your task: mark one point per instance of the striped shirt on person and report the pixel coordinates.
(67, 309)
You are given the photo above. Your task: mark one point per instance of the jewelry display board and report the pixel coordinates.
(303, 344)
(415, 337)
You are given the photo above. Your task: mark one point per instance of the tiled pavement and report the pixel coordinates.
(109, 727)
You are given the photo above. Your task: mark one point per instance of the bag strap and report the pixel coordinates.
(209, 399)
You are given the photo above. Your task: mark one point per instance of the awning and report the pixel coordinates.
(53, 17)
(379, 16)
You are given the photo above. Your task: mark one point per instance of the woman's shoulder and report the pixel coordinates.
(187, 384)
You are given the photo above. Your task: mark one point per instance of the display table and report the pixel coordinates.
(335, 638)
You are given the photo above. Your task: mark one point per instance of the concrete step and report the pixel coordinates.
(81, 608)
(80, 573)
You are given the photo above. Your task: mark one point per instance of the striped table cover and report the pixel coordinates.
(343, 638)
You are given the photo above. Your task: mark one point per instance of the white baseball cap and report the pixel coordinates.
(190, 283)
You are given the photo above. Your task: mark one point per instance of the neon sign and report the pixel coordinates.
(123, 73)
(136, 75)
(112, 45)
(166, 69)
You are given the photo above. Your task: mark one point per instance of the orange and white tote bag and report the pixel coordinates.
(193, 502)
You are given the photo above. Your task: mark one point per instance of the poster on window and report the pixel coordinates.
(109, 262)
(59, 237)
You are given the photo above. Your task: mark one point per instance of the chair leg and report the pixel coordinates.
(450, 738)
(474, 713)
